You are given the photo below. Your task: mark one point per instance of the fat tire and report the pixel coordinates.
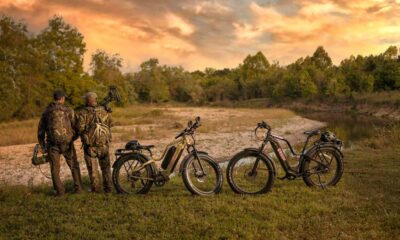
(339, 172)
(229, 173)
(214, 165)
(115, 176)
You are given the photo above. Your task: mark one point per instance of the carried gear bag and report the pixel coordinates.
(39, 157)
(99, 133)
(59, 125)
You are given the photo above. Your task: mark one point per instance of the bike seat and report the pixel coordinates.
(135, 145)
(313, 132)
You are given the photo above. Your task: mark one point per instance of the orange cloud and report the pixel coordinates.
(344, 28)
(220, 33)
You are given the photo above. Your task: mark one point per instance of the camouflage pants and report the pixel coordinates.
(93, 157)
(69, 153)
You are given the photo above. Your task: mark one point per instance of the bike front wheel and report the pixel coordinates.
(250, 173)
(202, 175)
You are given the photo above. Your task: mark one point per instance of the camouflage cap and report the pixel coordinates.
(58, 94)
(90, 95)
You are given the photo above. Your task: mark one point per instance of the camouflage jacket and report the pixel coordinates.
(64, 124)
(88, 118)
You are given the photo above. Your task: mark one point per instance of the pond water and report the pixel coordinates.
(349, 128)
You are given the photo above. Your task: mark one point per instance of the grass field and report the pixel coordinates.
(365, 205)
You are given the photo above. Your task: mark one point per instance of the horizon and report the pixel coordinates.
(220, 34)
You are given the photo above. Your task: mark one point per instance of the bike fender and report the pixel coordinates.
(256, 150)
(135, 155)
(187, 157)
(333, 147)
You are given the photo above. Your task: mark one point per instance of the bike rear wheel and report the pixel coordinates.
(131, 177)
(202, 176)
(324, 167)
(250, 173)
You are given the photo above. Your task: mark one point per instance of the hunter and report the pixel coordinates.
(56, 135)
(94, 125)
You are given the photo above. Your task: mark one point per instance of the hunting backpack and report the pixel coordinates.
(99, 132)
(59, 124)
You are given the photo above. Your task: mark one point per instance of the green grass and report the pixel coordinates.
(364, 205)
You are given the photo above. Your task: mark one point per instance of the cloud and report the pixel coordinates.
(343, 27)
(220, 33)
(178, 23)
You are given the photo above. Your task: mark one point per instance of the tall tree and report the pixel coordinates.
(62, 47)
(106, 68)
(107, 71)
(355, 75)
(21, 79)
(385, 68)
(321, 58)
(13, 40)
(252, 72)
(150, 83)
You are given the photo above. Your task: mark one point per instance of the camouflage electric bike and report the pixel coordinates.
(135, 172)
(251, 171)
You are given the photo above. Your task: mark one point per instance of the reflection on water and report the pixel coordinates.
(349, 128)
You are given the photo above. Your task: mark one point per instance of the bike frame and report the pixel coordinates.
(278, 151)
(181, 144)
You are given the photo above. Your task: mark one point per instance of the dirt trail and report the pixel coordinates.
(221, 142)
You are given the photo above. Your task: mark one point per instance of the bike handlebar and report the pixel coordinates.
(191, 127)
(262, 125)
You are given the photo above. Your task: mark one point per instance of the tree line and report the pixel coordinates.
(33, 65)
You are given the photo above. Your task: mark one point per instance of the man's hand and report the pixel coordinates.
(42, 149)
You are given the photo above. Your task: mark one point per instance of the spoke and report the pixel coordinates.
(130, 166)
(125, 168)
(250, 174)
(315, 172)
(137, 162)
(330, 162)
(139, 168)
(318, 162)
(323, 155)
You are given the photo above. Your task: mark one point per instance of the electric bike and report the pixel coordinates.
(251, 171)
(134, 171)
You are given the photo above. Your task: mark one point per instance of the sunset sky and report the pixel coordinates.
(199, 34)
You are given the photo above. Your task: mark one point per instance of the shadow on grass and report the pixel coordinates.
(45, 189)
(173, 188)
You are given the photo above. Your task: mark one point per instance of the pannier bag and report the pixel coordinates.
(330, 137)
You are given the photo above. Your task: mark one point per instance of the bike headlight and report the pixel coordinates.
(189, 140)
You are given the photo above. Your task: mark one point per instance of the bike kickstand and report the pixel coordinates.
(319, 180)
